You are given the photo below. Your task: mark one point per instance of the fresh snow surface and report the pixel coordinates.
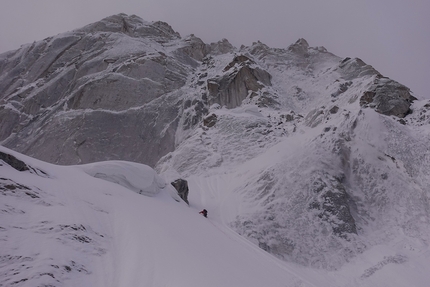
(78, 230)
(88, 226)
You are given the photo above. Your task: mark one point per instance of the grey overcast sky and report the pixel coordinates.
(391, 35)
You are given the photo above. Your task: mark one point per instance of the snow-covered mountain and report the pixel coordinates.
(320, 161)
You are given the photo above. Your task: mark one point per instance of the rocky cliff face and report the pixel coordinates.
(82, 86)
(117, 88)
(344, 142)
(239, 81)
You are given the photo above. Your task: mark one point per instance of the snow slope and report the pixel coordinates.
(61, 226)
(67, 228)
(401, 261)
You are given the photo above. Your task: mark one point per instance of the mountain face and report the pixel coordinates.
(314, 158)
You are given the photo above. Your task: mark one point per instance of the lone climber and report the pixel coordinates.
(204, 212)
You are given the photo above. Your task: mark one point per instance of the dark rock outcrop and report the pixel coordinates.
(240, 60)
(300, 47)
(356, 68)
(343, 87)
(388, 97)
(334, 110)
(220, 47)
(17, 164)
(194, 48)
(210, 120)
(181, 185)
(232, 88)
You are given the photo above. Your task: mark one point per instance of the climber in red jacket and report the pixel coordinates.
(204, 212)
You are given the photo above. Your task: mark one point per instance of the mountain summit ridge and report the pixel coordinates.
(313, 158)
(58, 74)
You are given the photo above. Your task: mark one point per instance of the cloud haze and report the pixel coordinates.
(391, 35)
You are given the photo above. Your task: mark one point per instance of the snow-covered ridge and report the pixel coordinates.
(158, 83)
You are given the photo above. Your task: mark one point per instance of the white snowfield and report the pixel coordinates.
(88, 226)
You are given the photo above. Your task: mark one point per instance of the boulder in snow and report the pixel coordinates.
(181, 186)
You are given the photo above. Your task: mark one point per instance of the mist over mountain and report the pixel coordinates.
(320, 161)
